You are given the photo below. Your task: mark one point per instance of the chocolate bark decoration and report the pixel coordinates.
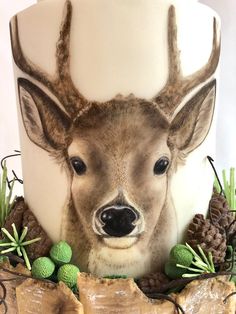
(96, 295)
(101, 294)
(16, 215)
(38, 297)
(207, 296)
(10, 280)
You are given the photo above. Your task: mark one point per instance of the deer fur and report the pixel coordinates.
(119, 140)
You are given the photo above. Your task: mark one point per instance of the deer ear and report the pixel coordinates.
(192, 123)
(45, 123)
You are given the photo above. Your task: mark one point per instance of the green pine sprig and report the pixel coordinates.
(229, 187)
(203, 264)
(231, 260)
(17, 243)
(5, 198)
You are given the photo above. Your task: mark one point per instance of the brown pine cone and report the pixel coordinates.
(16, 215)
(41, 247)
(152, 283)
(220, 215)
(202, 232)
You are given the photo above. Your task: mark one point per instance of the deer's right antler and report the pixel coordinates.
(61, 85)
(177, 86)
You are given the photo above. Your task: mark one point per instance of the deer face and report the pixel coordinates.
(121, 154)
(120, 158)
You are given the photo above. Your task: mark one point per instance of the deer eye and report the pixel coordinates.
(78, 165)
(161, 165)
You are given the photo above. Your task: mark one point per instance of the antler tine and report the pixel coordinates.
(174, 53)
(177, 86)
(209, 68)
(64, 82)
(61, 85)
(63, 43)
(21, 61)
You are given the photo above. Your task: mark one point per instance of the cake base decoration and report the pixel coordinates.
(198, 277)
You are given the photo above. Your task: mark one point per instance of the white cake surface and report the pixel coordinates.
(116, 47)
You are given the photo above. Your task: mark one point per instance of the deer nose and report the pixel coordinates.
(118, 221)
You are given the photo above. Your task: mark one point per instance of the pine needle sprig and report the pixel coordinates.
(17, 243)
(229, 187)
(203, 264)
(5, 199)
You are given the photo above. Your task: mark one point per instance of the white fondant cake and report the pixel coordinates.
(118, 177)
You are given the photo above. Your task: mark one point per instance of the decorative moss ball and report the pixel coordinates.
(68, 273)
(172, 271)
(61, 253)
(180, 254)
(42, 267)
(3, 259)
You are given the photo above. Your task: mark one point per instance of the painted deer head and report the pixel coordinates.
(120, 153)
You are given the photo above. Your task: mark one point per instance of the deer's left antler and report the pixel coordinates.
(177, 86)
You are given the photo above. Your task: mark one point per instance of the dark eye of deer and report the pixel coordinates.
(161, 165)
(78, 165)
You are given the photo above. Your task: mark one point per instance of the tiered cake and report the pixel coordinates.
(116, 103)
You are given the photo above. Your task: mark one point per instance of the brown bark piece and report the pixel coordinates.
(40, 248)
(16, 215)
(11, 286)
(107, 296)
(38, 297)
(119, 296)
(122, 296)
(22, 217)
(207, 296)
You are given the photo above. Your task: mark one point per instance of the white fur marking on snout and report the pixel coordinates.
(106, 261)
(119, 243)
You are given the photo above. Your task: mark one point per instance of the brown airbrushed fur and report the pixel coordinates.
(119, 141)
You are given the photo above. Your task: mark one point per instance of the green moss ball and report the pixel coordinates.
(174, 272)
(180, 254)
(61, 253)
(68, 274)
(42, 267)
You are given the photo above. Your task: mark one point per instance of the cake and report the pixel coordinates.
(116, 104)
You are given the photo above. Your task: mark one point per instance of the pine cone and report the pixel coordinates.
(16, 215)
(41, 247)
(220, 215)
(202, 232)
(153, 283)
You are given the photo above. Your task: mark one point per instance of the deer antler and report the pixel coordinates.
(177, 86)
(61, 85)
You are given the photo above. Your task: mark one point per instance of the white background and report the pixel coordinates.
(226, 126)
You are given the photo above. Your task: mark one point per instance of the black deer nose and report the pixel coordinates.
(118, 220)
